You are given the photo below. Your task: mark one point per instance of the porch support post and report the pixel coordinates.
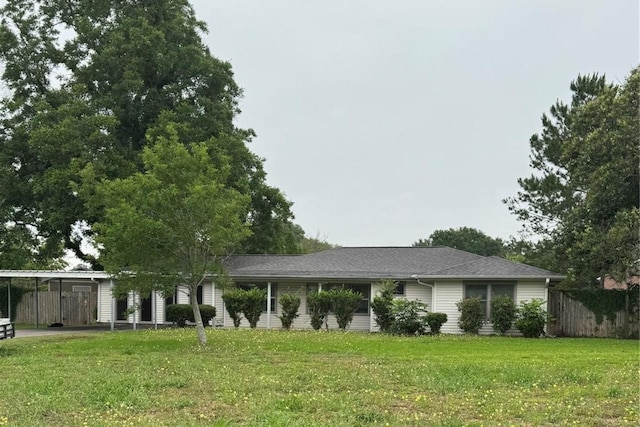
(154, 304)
(133, 298)
(268, 305)
(113, 306)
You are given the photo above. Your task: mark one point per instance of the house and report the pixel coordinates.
(437, 276)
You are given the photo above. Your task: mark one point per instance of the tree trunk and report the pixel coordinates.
(193, 297)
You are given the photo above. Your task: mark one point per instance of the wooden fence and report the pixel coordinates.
(70, 308)
(570, 318)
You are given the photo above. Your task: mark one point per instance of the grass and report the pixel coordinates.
(277, 378)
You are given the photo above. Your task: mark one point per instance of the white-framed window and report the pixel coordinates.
(486, 291)
(263, 285)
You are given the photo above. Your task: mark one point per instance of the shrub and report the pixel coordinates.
(253, 302)
(289, 305)
(233, 302)
(382, 306)
(207, 312)
(435, 321)
(503, 313)
(179, 314)
(344, 303)
(319, 304)
(471, 315)
(409, 317)
(531, 318)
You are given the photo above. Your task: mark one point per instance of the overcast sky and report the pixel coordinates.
(386, 120)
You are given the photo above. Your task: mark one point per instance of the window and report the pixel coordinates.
(363, 288)
(399, 290)
(487, 291)
(274, 293)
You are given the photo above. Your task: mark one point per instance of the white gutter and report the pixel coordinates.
(415, 276)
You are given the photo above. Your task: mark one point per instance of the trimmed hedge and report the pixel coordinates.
(181, 313)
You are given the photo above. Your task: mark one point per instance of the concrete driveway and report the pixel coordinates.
(25, 333)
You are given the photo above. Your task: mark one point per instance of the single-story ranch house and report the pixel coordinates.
(437, 276)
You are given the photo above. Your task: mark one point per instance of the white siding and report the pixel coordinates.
(104, 297)
(158, 304)
(526, 291)
(415, 291)
(447, 294)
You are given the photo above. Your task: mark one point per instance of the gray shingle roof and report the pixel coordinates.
(379, 263)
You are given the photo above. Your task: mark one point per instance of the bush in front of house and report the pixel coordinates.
(531, 318)
(319, 305)
(253, 301)
(179, 314)
(344, 303)
(207, 312)
(435, 321)
(503, 313)
(289, 305)
(233, 302)
(409, 317)
(382, 305)
(471, 315)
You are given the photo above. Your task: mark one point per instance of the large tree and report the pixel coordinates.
(466, 239)
(85, 82)
(583, 196)
(172, 224)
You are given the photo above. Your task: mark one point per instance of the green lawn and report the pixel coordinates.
(277, 378)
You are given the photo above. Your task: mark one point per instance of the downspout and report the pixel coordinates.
(433, 291)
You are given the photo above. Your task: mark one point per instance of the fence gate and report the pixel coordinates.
(68, 308)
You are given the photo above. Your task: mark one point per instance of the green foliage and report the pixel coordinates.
(208, 312)
(319, 305)
(382, 305)
(583, 197)
(466, 239)
(17, 291)
(435, 321)
(179, 314)
(234, 302)
(409, 317)
(344, 303)
(532, 318)
(253, 301)
(503, 313)
(129, 68)
(606, 302)
(289, 305)
(318, 243)
(471, 315)
(501, 379)
(174, 223)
